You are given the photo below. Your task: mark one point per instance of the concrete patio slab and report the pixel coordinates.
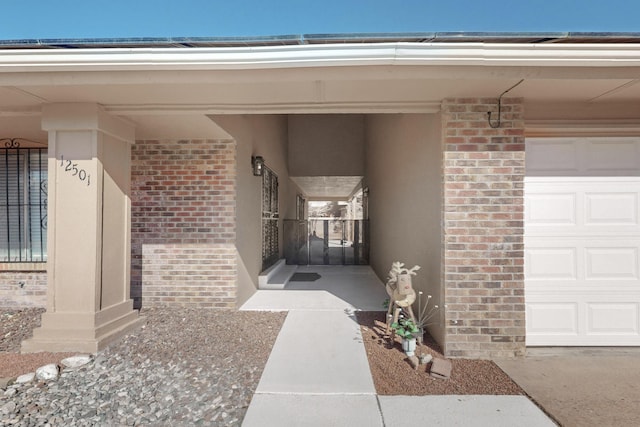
(280, 300)
(494, 411)
(339, 288)
(305, 410)
(318, 352)
(581, 386)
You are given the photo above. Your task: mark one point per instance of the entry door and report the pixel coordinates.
(582, 241)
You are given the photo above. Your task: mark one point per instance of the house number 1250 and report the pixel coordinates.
(72, 168)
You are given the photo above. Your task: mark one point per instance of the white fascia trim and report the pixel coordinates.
(467, 54)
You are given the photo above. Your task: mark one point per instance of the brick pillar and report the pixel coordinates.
(483, 250)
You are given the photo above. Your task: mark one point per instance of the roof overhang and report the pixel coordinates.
(322, 74)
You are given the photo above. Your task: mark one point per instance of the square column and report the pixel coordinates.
(89, 217)
(483, 228)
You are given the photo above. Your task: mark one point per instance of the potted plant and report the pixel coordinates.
(406, 329)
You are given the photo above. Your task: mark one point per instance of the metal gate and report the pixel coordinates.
(270, 247)
(326, 241)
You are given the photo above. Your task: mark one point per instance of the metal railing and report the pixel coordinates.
(270, 247)
(326, 241)
(23, 204)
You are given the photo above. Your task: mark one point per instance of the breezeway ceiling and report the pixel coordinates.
(330, 187)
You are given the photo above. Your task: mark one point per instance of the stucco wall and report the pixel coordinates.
(403, 163)
(326, 144)
(266, 136)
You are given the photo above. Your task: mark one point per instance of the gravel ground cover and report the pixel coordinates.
(16, 326)
(183, 367)
(393, 375)
(197, 367)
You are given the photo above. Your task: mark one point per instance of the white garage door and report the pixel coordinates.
(582, 241)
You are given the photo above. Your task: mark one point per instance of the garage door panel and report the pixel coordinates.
(551, 263)
(551, 209)
(553, 289)
(612, 208)
(603, 340)
(583, 156)
(612, 263)
(564, 206)
(593, 319)
(582, 241)
(612, 318)
(586, 260)
(557, 157)
(552, 318)
(611, 157)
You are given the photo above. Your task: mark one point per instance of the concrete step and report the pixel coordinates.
(276, 276)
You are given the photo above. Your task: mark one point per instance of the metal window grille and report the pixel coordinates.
(270, 248)
(23, 205)
(300, 202)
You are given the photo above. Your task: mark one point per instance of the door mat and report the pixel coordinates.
(304, 277)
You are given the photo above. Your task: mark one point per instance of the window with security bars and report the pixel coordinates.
(270, 251)
(23, 205)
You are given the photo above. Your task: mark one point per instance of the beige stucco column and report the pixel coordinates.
(89, 212)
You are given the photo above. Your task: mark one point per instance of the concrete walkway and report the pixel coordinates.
(318, 373)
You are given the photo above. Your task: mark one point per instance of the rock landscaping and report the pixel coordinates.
(184, 367)
(196, 367)
(395, 374)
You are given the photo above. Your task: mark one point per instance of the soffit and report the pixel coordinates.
(177, 127)
(568, 90)
(327, 186)
(25, 127)
(405, 95)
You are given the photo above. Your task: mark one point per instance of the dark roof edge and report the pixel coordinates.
(281, 40)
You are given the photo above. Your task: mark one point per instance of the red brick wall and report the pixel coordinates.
(483, 250)
(183, 223)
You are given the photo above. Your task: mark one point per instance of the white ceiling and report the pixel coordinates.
(329, 187)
